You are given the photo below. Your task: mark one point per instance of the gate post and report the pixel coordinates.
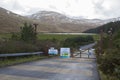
(46, 50)
(80, 54)
(71, 53)
(88, 54)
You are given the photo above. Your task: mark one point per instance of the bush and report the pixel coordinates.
(16, 47)
(77, 41)
(28, 33)
(110, 62)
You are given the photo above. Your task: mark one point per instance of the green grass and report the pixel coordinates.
(96, 37)
(13, 61)
(54, 36)
(48, 36)
(61, 36)
(5, 35)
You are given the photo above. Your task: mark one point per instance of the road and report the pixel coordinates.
(53, 69)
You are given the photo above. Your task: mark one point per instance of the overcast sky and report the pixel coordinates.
(90, 9)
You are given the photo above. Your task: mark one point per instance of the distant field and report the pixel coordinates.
(42, 36)
(63, 36)
(54, 36)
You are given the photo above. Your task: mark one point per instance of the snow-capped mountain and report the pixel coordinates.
(57, 17)
(64, 22)
(48, 21)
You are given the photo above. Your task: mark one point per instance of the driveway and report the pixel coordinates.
(52, 69)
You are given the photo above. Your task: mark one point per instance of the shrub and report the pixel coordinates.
(77, 41)
(109, 62)
(16, 47)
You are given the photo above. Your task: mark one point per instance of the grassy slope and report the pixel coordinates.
(10, 22)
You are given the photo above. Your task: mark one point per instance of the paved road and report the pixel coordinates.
(52, 69)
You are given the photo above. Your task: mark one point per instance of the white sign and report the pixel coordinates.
(65, 52)
(52, 51)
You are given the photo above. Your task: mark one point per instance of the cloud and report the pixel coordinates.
(77, 8)
(12, 5)
(107, 8)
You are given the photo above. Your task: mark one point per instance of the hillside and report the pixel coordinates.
(115, 25)
(10, 22)
(47, 21)
(60, 23)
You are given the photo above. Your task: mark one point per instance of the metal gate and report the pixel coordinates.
(88, 53)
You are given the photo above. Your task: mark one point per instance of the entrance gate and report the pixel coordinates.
(87, 53)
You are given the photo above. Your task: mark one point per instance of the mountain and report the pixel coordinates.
(11, 22)
(48, 21)
(60, 23)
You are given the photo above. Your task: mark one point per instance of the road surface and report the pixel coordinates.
(53, 69)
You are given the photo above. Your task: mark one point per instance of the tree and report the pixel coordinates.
(14, 36)
(28, 33)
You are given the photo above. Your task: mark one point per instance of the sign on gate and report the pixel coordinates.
(52, 51)
(65, 52)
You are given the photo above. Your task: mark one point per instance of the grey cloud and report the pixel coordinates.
(13, 6)
(17, 6)
(33, 10)
(52, 7)
(99, 9)
(113, 12)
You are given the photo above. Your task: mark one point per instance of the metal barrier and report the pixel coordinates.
(20, 54)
